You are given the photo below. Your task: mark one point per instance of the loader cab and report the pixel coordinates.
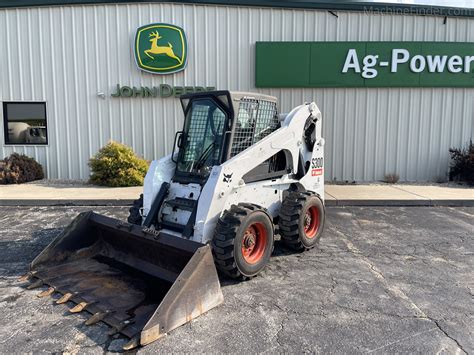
(218, 125)
(203, 141)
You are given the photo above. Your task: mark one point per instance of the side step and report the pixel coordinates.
(172, 226)
(181, 203)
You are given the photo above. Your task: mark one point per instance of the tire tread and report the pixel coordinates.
(289, 216)
(224, 237)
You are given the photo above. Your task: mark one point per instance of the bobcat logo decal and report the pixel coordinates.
(228, 177)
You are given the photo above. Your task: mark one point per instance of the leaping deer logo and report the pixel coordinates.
(156, 49)
(160, 48)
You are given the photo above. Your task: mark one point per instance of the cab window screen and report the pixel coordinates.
(255, 120)
(203, 134)
(24, 123)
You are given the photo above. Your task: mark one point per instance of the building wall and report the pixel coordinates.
(66, 55)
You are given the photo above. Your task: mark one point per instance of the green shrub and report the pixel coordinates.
(462, 164)
(116, 165)
(391, 178)
(18, 168)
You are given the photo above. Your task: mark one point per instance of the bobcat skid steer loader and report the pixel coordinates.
(240, 171)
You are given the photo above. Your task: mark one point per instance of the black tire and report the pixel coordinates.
(238, 227)
(135, 217)
(301, 220)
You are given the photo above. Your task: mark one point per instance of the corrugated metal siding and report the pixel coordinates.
(66, 55)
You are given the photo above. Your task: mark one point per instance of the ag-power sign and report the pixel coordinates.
(364, 64)
(369, 67)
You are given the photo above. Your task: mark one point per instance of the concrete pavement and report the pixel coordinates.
(46, 193)
(50, 194)
(398, 195)
(383, 280)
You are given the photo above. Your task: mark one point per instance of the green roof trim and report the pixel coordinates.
(296, 4)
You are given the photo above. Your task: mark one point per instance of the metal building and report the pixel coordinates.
(72, 59)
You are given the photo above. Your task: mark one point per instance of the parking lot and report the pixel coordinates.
(384, 279)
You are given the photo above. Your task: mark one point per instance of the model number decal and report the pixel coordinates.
(317, 166)
(317, 163)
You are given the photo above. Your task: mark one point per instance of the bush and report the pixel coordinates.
(18, 168)
(391, 178)
(116, 165)
(462, 164)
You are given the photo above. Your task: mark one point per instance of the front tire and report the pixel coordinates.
(243, 241)
(301, 221)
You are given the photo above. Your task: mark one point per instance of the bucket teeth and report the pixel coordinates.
(35, 284)
(26, 276)
(112, 331)
(64, 298)
(97, 317)
(132, 344)
(120, 327)
(46, 293)
(79, 307)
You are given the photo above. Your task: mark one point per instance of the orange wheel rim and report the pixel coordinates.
(311, 222)
(254, 243)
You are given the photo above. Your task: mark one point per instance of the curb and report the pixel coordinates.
(329, 203)
(401, 203)
(453, 203)
(33, 203)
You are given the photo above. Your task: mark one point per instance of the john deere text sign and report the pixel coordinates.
(160, 48)
(364, 64)
(164, 90)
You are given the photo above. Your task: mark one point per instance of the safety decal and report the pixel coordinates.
(317, 172)
(317, 166)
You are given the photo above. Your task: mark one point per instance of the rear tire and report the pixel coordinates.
(301, 220)
(243, 241)
(135, 217)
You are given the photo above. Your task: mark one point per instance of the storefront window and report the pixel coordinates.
(25, 123)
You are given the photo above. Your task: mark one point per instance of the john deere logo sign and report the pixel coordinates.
(161, 48)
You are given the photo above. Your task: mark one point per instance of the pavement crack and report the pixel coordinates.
(400, 340)
(426, 318)
(333, 285)
(278, 334)
(393, 289)
(376, 271)
(447, 334)
(346, 307)
(372, 311)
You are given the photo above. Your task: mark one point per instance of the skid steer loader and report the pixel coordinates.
(237, 172)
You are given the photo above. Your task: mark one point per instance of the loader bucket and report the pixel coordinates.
(141, 282)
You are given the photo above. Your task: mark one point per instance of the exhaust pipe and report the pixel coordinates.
(142, 282)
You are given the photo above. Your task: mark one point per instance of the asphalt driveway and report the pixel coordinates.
(384, 279)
